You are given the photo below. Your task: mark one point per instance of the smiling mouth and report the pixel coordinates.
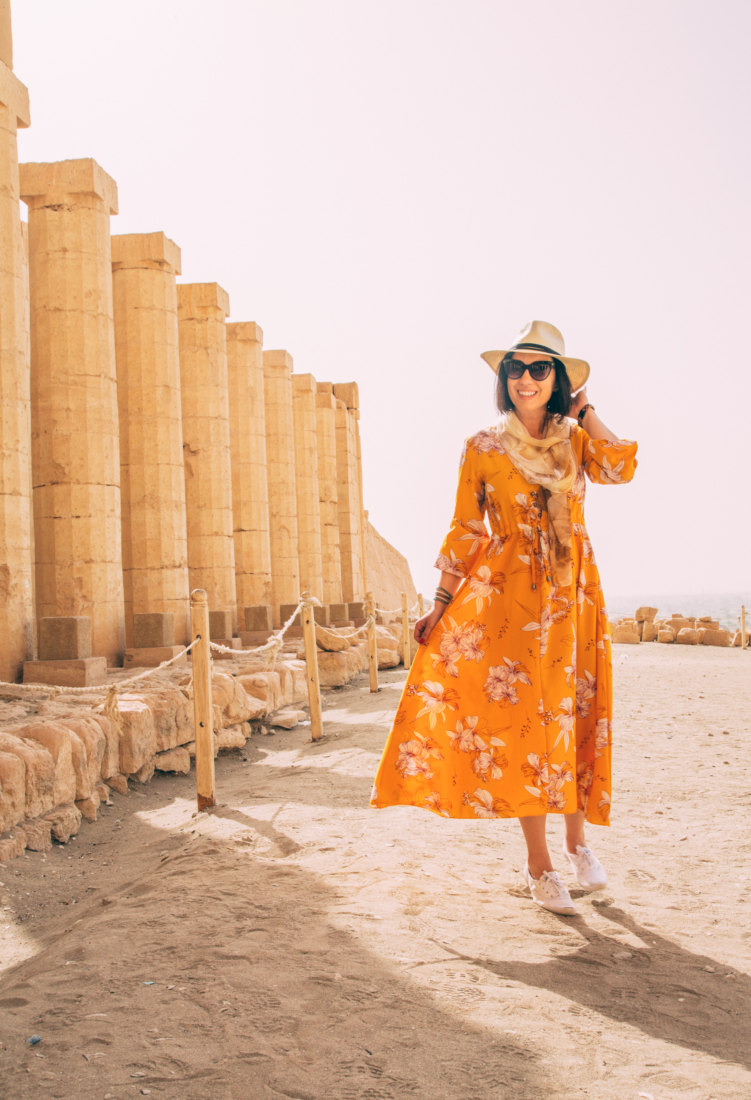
(527, 393)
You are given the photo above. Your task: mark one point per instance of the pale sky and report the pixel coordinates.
(391, 187)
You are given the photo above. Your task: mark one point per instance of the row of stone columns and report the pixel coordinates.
(168, 450)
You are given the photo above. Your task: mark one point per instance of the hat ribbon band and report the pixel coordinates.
(535, 347)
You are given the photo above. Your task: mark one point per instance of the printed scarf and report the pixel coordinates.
(551, 464)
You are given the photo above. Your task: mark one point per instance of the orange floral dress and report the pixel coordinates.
(506, 711)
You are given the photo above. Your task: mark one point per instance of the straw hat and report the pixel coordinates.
(540, 336)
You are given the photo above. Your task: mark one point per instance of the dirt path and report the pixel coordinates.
(297, 944)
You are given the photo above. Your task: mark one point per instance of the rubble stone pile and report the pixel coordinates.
(684, 630)
(61, 757)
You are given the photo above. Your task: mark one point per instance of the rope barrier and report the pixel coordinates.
(398, 610)
(56, 689)
(274, 644)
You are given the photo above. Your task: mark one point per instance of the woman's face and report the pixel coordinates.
(525, 393)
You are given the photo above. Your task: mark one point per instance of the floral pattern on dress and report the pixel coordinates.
(507, 711)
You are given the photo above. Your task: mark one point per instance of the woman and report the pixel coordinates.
(506, 711)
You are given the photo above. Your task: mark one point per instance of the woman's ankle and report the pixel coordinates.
(537, 866)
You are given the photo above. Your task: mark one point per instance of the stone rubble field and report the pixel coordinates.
(61, 757)
(295, 943)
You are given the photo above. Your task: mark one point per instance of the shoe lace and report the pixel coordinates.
(553, 885)
(585, 856)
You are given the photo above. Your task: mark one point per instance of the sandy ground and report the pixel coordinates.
(297, 944)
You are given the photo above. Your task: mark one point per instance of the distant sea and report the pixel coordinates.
(725, 606)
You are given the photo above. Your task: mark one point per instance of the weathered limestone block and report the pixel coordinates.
(306, 481)
(299, 672)
(388, 658)
(155, 553)
(232, 737)
(13, 846)
(88, 765)
(118, 783)
(152, 658)
(259, 618)
(12, 790)
(154, 629)
(334, 670)
(250, 498)
(229, 694)
(265, 686)
(716, 637)
(330, 641)
(65, 822)
(331, 565)
(88, 807)
(624, 632)
(39, 776)
(220, 623)
(172, 712)
(173, 760)
(288, 719)
(645, 614)
(320, 616)
(687, 636)
(386, 639)
(665, 636)
(146, 772)
(356, 611)
(37, 835)
(111, 755)
(74, 417)
(649, 633)
(138, 734)
(55, 737)
(64, 638)
(679, 622)
(87, 672)
(16, 610)
(359, 653)
(202, 308)
(413, 646)
(280, 459)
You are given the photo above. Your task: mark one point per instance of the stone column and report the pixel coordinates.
(250, 496)
(306, 480)
(75, 434)
(16, 608)
(155, 541)
(348, 497)
(201, 310)
(326, 440)
(280, 458)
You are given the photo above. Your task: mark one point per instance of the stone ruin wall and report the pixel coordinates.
(149, 446)
(388, 571)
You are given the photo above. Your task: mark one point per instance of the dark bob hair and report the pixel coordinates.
(560, 399)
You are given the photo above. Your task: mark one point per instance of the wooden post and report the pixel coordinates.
(203, 714)
(372, 643)
(405, 631)
(311, 667)
(420, 605)
(743, 627)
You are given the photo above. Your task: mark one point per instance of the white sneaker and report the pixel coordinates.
(549, 892)
(590, 873)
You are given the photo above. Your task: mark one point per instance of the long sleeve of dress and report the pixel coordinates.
(468, 535)
(607, 462)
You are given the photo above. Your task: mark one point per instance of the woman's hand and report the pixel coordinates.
(424, 626)
(578, 401)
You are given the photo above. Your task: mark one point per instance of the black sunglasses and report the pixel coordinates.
(539, 371)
